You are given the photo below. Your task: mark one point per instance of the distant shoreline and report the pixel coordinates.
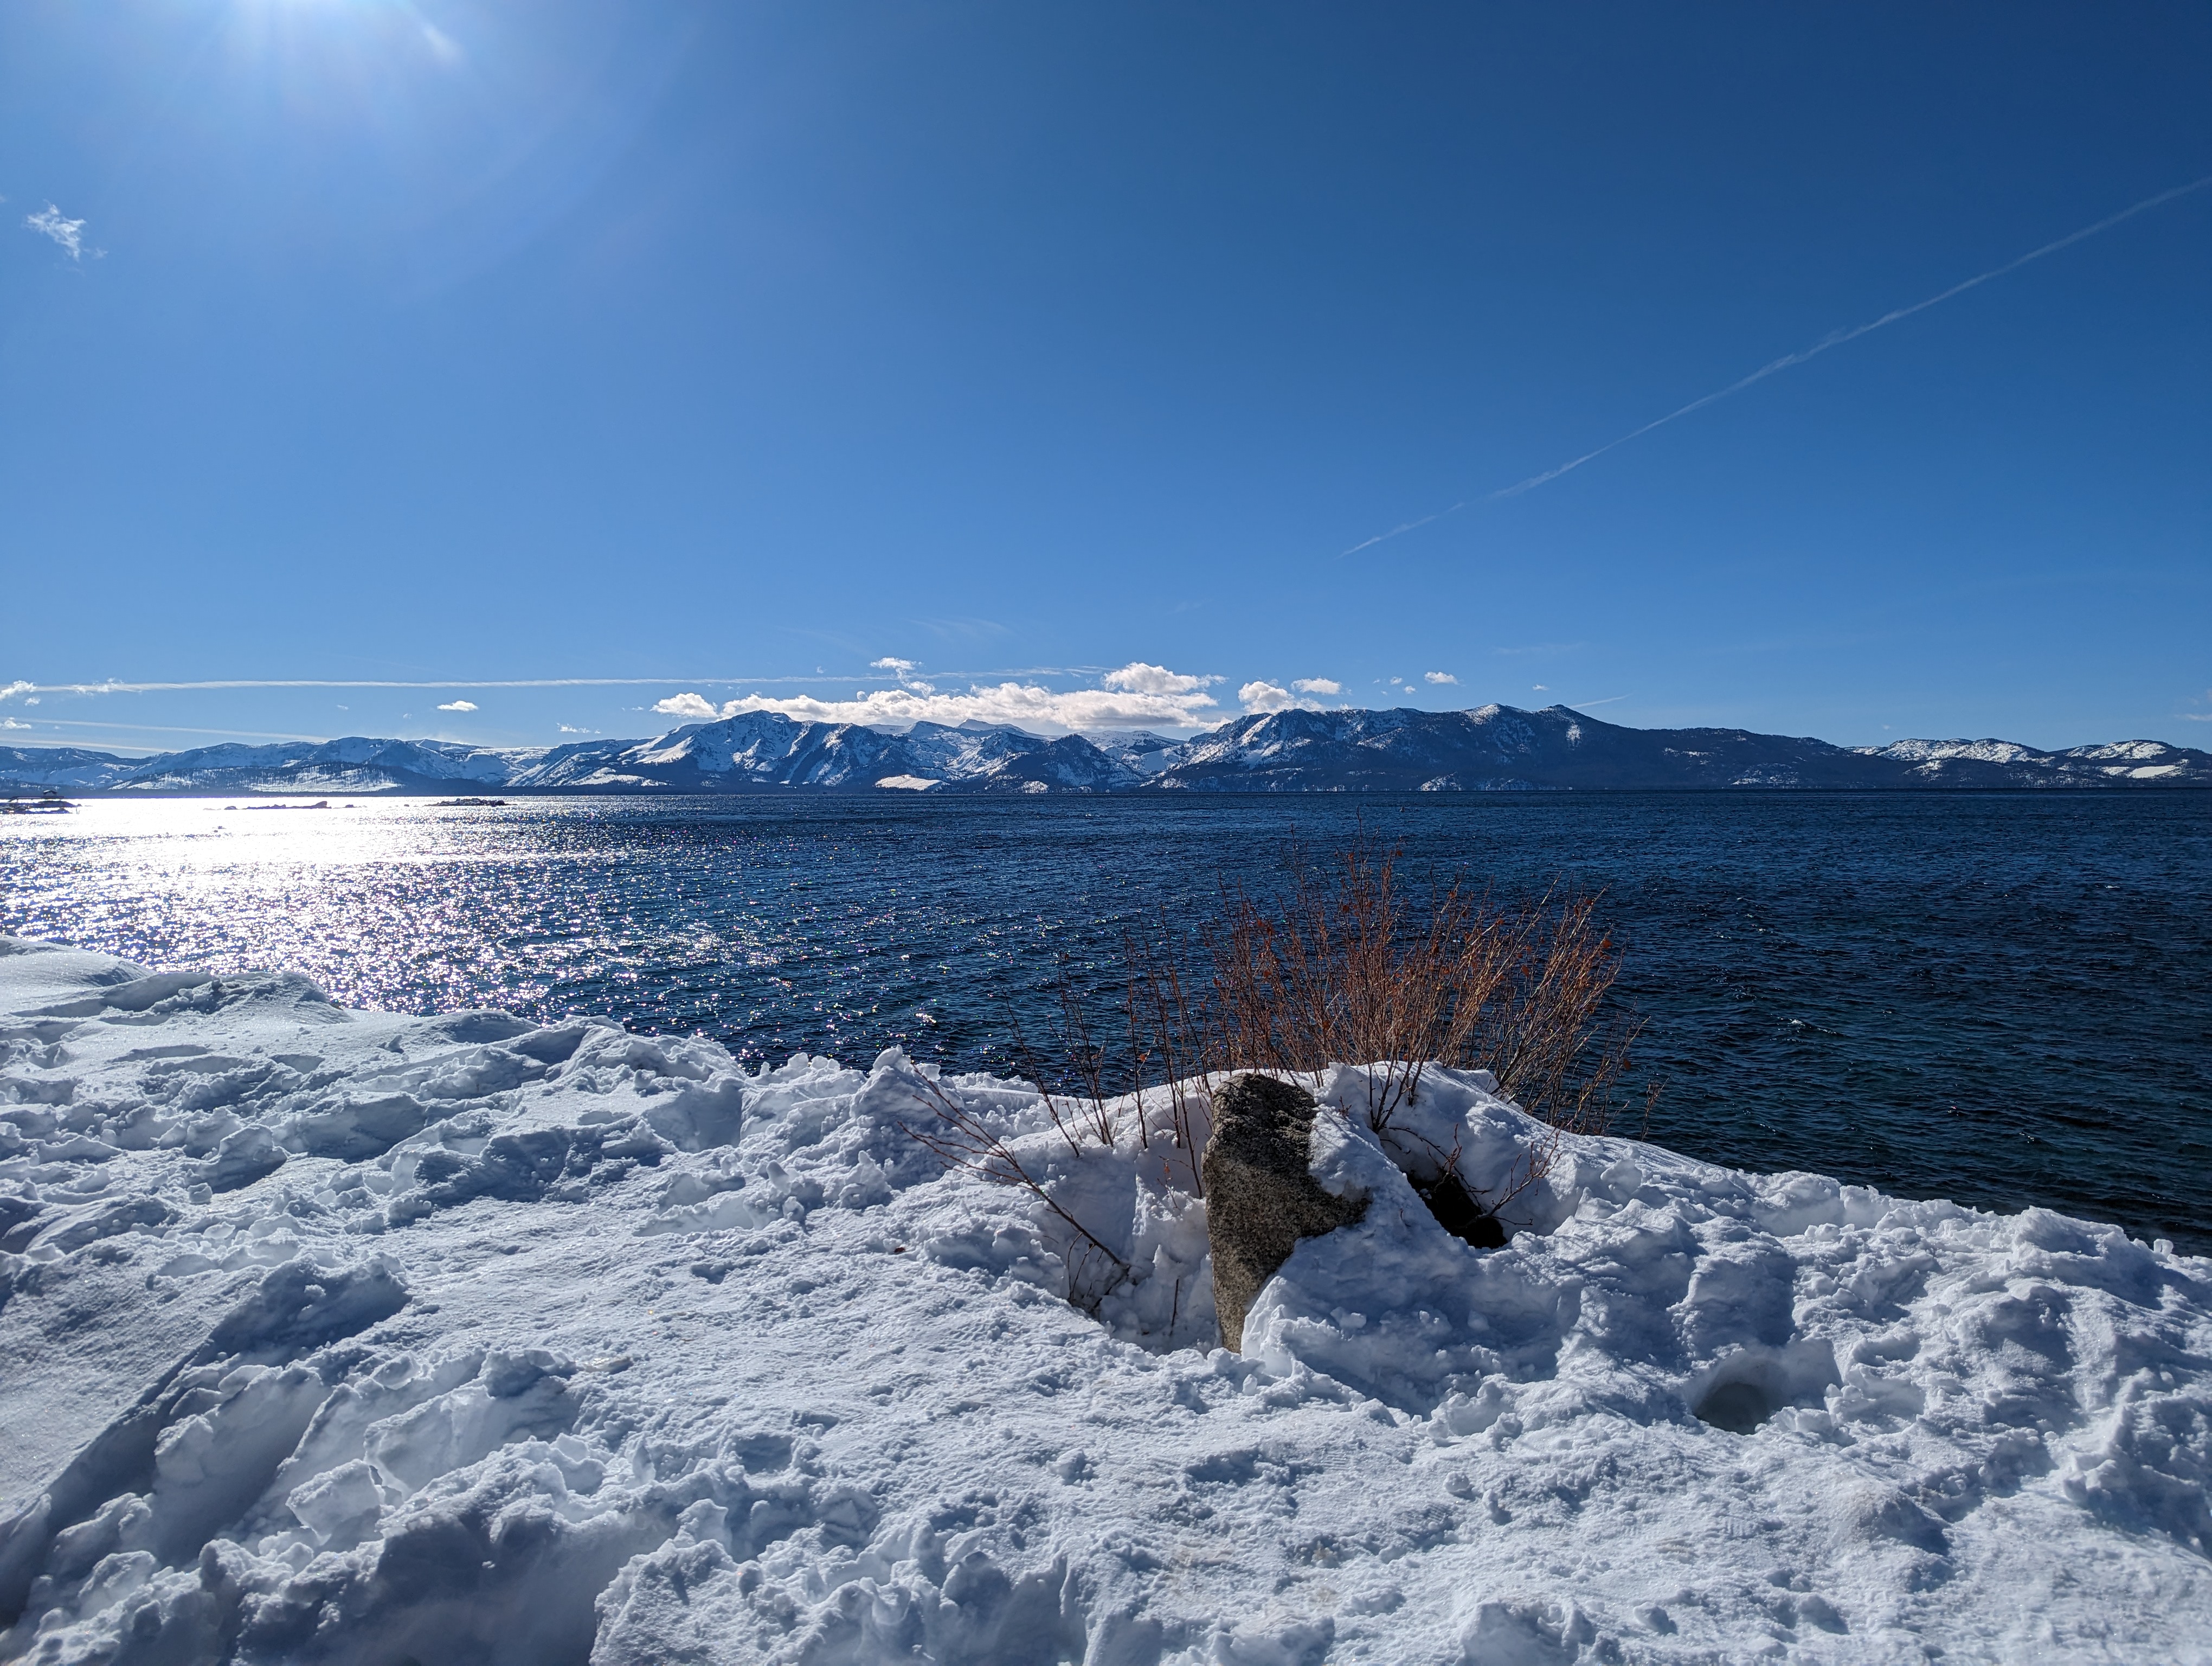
(892, 795)
(1487, 749)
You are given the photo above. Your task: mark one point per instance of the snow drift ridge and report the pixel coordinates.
(331, 1335)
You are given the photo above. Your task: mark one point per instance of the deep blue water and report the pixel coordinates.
(2004, 998)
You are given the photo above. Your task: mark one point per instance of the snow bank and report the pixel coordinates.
(343, 1336)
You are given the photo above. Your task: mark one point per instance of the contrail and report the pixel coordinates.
(1843, 335)
(1407, 527)
(9, 691)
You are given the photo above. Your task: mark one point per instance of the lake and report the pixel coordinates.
(2004, 998)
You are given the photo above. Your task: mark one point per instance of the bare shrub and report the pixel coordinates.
(1165, 1031)
(1348, 965)
(1348, 968)
(961, 1138)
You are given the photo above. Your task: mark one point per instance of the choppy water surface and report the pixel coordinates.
(2002, 998)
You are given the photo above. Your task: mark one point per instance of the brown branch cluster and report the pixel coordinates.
(1350, 967)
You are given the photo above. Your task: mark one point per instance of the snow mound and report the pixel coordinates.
(331, 1335)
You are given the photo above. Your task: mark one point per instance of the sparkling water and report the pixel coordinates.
(2002, 998)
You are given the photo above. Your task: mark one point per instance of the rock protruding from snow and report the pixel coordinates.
(1261, 1195)
(564, 1344)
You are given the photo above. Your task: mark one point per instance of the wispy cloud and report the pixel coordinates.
(49, 222)
(1438, 677)
(966, 628)
(2199, 717)
(1840, 337)
(10, 723)
(157, 728)
(1136, 695)
(116, 686)
(903, 670)
(458, 706)
(112, 685)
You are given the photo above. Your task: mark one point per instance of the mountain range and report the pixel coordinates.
(1490, 748)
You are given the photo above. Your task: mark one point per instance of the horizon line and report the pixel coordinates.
(270, 737)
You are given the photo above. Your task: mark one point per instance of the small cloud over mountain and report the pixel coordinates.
(1261, 696)
(695, 705)
(1138, 678)
(1438, 677)
(458, 706)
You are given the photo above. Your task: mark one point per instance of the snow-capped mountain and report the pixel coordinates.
(767, 749)
(352, 765)
(1139, 749)
(1490, 748)
(1502, 747)
(759, 749)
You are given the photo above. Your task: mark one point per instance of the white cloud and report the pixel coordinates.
(1318, 686)
(10, 723)
(1261, 697)
(566, 729)
(904, 670)
(1438, 677)
(48, 222)
(10, 690)
(1138, 678)
(1539, 688)
(1178, 702)
(688, 705)
(458, 706)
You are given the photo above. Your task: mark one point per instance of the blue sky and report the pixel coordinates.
(773, 355)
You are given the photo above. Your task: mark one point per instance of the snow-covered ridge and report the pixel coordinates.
(1490, 748)
(333, 1336)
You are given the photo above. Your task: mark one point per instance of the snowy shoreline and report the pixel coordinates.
(352, 1336)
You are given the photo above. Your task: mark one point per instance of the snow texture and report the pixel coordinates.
(344, 1336)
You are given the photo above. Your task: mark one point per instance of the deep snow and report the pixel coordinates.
(334, 1335)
